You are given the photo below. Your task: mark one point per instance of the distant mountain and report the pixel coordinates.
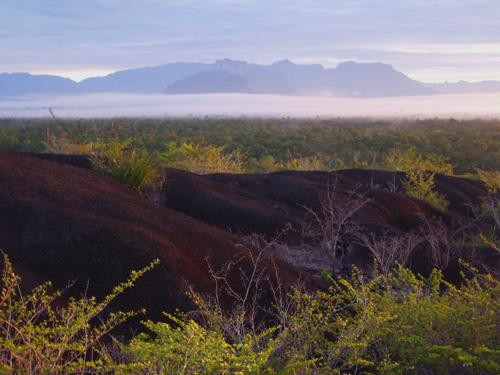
(282, 77)
(12, 84)
(350, 79)
(210, 82)
(143, 80)
(305, 79)
(369, 80)
(261, 80)
(285, 77)
(463, 87)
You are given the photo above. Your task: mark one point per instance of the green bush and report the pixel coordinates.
(318, 162)
(201, 158)
(398, 323)
(490, 207)
(394, 324)
(420, 173)
(128, 165)
(186, 347)
(38, 336)
(402, 324)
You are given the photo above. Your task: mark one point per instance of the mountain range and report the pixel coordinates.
(284, 77)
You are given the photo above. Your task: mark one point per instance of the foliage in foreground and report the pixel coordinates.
(390, 324)
(189, 348)
(396, 324)
(404, 324)
(38, 336)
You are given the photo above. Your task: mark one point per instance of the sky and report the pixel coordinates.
(430, 40)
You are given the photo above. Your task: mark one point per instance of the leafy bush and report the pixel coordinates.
(127, 165)
(202, 158)
(420, 173)
(37, 336)
(490, 207)
(318, 162)
(400, 324)
(264, 164)
(189, 348)
(491, 179)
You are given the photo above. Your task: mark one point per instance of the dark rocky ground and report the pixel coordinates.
(60, 220)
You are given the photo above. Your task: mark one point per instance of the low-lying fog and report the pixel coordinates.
(137, 105)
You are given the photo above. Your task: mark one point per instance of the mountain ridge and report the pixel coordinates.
(348, 79)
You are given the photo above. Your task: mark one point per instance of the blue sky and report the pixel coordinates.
(430, 40)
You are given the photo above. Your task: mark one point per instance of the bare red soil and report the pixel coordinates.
(61, 221)
(66, 223)
(265, 203)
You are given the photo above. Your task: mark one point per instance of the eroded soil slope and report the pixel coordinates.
(67, 223)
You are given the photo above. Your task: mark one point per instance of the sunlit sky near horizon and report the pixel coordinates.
(430, 40)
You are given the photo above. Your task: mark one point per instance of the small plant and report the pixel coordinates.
(128, 165)
(420, 173)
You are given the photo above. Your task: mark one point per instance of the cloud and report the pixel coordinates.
(124, 33)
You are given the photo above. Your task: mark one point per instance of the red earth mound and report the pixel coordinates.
(64, 223)
(267, 203)
(60, 220)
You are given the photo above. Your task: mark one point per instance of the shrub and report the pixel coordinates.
(490, 207)
(186, 347)
(128, 165)
(400, 324)
(201, 158)
(37, 336)
(395, 323)
(420, 172)
(264, 164)
(491, 180)
(318, 162)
